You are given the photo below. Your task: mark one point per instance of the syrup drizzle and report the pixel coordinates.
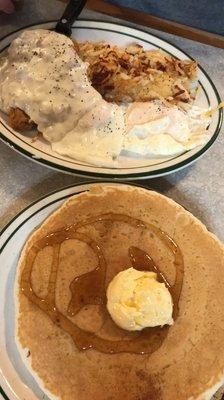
(89, 288)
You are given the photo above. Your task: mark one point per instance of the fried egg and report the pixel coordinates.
(44, 76)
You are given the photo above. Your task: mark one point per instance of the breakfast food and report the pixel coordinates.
(137, 300)
(19, 120)
(134, 74)
(44, 83)
(64, 333)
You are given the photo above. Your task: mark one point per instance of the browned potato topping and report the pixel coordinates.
(135, 74)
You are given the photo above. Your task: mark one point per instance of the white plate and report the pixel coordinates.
(128, 168)
(16, 382)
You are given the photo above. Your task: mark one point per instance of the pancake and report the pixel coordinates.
(188, 364)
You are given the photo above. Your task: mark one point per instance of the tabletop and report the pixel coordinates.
(199, 187)
(201, 14)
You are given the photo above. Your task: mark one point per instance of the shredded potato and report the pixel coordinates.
(130, 74)
(135, 74)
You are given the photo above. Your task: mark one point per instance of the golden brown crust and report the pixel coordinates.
(19, 120)
(135, 74)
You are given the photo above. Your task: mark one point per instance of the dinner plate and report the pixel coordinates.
(15, 379)
(134, 168)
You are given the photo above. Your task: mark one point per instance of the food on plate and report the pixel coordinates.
(44, 82)
(18, 119)
(64, 332)
(134, 74)
(137, 300)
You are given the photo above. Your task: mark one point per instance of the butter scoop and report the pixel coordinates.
(137, 300)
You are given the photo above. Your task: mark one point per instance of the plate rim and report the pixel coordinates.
(129, 175)
(3, 395)
(83, 183)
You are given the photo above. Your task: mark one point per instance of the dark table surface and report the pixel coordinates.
(202, 14)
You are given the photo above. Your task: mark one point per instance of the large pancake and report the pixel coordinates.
(190, 362)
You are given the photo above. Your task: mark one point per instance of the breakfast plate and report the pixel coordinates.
(129, 167)
(16, 380)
